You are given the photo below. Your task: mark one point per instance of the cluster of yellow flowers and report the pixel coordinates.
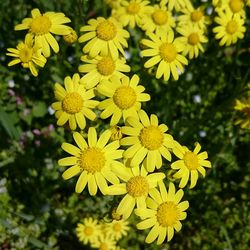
(35, 48)
(100, 234)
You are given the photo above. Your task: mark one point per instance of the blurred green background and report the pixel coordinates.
(38, 210)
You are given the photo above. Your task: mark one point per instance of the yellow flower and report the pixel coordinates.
(41, 26)
(101, 68)
(105, 36)
(71, 37)
(92, 161)
(105, 242)
(178, 5)
(231, 28)
(88, 231)
(74, 103)
(159, 20)
(164, 213)
(114, 4)
(190, 164)
(136, 185)
(165, 51)
(193, 16)
(193, 38)
(116, 133)
(132, 12)
(234, 6)
(117, 229)
(28, 55)
(147, 140)
(244, 107)
(124, 98)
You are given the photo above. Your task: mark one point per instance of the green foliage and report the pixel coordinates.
(38, 210)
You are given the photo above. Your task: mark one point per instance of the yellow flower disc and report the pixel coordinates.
(193, 38)
(168, 52)
(133, 8)
(26, 54)
(124, 97)
(92, 160)
(231, 27)
(104, 246)
(160, 17)
(196, 15)
(72, 103)
(106, 66)
(117, 227)
(88, 231)
(191, 160)
(137, 186)
(151, 137)
(168, 214)
(236, 5)
(106, 30)
(40, 25)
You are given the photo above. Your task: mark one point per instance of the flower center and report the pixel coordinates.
(133, 8)
(25, 54)
(104, 246)
(88, 231)
(106, 30)
(191, 160)
(124, 97)
(236, 5)
(117, 227)
(92, 160)
(151, 137)
(160, 17)
(106, 66)
(40, 25)
(167, 214)
(167, 52)
(72, 103)
(193, 38)
(196, 15)
(231, 27)
(137, 186)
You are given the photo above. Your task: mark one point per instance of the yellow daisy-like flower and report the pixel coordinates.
(28, 55)
(105, 242)
(193, 16)
(71, 37)
(193, 38)
(136, 185)
(88, 231)
(231, 28)
(164, 213)
(41, 26)
(234, 6)
(92, 161)
(117, 229)
(132, 12)
(159, 20)
(74, 103)
(147, 140)
(105, 36)
(101, 68)
(190, 164)
(178, 5)
(124, 98)
(165, 51)
(244, 107)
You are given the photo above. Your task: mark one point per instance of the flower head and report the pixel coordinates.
(163, 213)
(105, 36)
(243, 107)
(124, 98)
(71, 37)
(92, 160)
(28, 55)
(190, 164)
(117, 229)
(74, 103)
(136, 185)
(147, 140)
(41, 26)
(165, 51)
(105, 242)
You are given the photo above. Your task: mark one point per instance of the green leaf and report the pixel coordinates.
(39, 109)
